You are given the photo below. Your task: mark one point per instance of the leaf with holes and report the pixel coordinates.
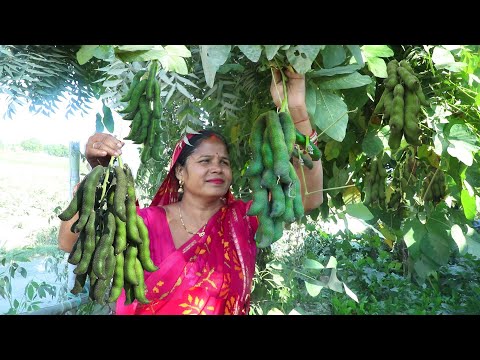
(301, 57)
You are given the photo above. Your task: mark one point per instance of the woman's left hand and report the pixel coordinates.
(295, 89)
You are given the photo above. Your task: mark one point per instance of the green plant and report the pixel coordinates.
(32, 145)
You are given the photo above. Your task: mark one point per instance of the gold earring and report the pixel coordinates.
(180, 188)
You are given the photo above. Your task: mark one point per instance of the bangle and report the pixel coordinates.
(314, 137)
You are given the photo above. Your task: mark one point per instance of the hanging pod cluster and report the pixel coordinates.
(112, 248)
(374, 180)
(277, 197)
(434, 187)
(144, 109)
(400, 103)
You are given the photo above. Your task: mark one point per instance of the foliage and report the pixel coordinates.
(56, 150)
(33, 145)
(42, 75)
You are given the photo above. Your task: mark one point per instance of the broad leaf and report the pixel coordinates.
(313, 289)
(349, 81)
(86, 53)
(462, 143)
(441, 56)
(377, 66)
(333, 283)
(357, 54)
(178, 50)
(133, 48)
(332, 150)
(312, 264)
(359, 211)
(174, 63)
(213, 56)
(347, 69)
(468, 204)
(413, 233)
(301, 57)
(333, 55)
(311, 98)
(142, 55)
(372, 145)
(271, 50)
(104, 52)
(331, 115)
(376, 51)
(252, 52)
(473, 242)
(436, 243)
(459, 238)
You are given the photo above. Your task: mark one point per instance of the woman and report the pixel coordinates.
(201, 238)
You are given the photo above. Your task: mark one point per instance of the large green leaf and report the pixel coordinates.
(133, 48)
(413, 233)
(141, 55)
(311, 98)
(377, 66)
(252, 52)
(301, 57)
(376, 51)
(347, 69)
(436, 243)
(174, 63)
(98, 123)
(313, 289)
(357, 54)
(468, 204)
(213, 56)
(348, 81)
(372, 145)
(473, 241)
(333, 55)
(359, 211)
(271, 50)
(331, 114)
(312, 264)
(462, 143)
(178, 50)
(86, 53)
(459, 238)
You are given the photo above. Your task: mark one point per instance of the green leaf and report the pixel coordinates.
(347, 69)
(357, 54)
(331, 115)
(178, 50)
(442, 56)
(135, 48)
(459, 238)
(311, 98)
(98, 123)
(225, 68)
(436, 243)
(22, 271)
(473, 242)
(372, 145)
(333, 55)
(413, 233)
(275, 311)
(462, 142)
(30, 292)
(348, 81)
(376, 51)
(312, 264)
(174, 63)
(301, 57)
(332, 263)
(104, 52)
(359, 211)
(313, 289)
(332, 150)
(108, 118)
(252, 52)
(377, 66)
(213, 56)
(86, 53)
(468, 204)
(333, 283)
(271, 50)
(112, 83)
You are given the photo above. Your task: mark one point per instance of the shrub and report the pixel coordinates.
(32, 145)
(56, 150)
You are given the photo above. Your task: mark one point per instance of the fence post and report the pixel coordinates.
(74, 151)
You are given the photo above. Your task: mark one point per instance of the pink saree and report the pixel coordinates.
(209, 274)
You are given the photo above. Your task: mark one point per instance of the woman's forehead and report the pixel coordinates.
(211, 146)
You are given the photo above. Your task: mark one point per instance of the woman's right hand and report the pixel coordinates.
(101, 147)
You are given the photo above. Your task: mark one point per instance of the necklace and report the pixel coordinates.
(200, 233)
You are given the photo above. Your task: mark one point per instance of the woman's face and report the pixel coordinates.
(207, 171)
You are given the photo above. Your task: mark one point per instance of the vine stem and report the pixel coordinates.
(107, 175)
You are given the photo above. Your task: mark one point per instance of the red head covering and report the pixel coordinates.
(168, 192)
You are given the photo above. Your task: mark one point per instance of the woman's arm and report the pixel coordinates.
(66, 238)
(298, 111)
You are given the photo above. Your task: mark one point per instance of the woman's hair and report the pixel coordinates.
(195, 141)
